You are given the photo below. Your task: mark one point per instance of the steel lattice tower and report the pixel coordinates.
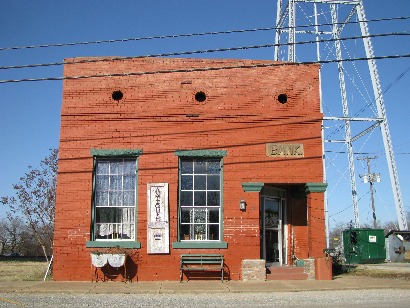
(324, 24)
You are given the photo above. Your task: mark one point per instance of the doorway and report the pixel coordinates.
(273, 245)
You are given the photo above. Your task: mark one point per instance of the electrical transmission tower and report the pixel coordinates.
(336, 32)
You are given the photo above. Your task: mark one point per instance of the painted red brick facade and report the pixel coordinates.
(158, 114)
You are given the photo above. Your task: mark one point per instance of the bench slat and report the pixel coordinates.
(201, 261)
(201, 268)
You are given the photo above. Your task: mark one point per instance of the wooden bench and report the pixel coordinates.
(202, 262)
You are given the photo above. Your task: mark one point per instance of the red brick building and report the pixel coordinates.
(163, 157)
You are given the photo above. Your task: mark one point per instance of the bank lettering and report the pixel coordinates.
(284, 150)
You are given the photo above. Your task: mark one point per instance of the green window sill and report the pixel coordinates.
(112, 244)
(208, 245)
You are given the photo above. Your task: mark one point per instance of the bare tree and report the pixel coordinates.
(3, 235)
(11, 232)
(35, 200)
(335, 235)
(393, 225)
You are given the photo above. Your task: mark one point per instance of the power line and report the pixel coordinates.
(192, 34)
(203, 69)
(203, 51)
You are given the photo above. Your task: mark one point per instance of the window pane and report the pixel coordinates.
(199, 232)
(127, 215)
(200, 167)
(102, 182)
(185, 232)
(186, 198)
(115, 182)
(214, 167)
(199, 216)
(102, 167)
(115, 198)
(129, 182)
(186, 215)
(101, 198)
(104, 231)
(200, 182)
(213, 198)
(116, 167)
(199, 198)
(186, 182)
(213, 216)
(128, 198)
(213, 232)
(106, 215)
(130, 167)
(127, 231)
(187, 167)
(213, 182)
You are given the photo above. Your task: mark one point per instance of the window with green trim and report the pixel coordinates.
(114, 198)
(200, 198)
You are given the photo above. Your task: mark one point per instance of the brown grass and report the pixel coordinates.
(22, 270)
(377, 273)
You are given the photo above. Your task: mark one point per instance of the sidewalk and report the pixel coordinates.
(345, 282)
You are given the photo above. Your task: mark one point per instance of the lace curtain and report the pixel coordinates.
(115, 198)
(122, 230)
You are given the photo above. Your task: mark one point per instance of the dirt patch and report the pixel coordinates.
(377, 273)
(22, 270)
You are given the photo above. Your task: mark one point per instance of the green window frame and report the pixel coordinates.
(200, 199)
(114, 202)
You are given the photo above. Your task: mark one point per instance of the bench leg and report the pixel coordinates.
(222, 275)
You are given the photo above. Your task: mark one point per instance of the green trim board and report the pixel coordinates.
(112, 244)
(315, 187)
(199, 245)
(252, 186)
(201, 153)
(92, 200)
(116, 152)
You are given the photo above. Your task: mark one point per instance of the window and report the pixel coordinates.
(200, 199)
(200, 210)
(114, 199)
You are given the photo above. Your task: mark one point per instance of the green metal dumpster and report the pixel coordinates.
(364, 245)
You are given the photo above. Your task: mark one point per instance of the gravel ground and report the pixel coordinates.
(356, 298)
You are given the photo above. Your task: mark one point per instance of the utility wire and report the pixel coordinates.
(192, 34)
(203, 69)
(203, 51)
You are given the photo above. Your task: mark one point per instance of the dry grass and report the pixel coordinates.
(379, 273)
(22, 270)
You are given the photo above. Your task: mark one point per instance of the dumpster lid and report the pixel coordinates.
(404, 234)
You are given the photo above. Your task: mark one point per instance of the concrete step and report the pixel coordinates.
(285, 273)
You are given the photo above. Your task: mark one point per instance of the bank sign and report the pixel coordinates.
(285, 150)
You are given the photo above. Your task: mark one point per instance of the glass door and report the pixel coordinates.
(272, 231)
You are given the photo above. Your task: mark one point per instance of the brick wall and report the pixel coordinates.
(241, 114)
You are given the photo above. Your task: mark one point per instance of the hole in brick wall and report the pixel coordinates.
(117, 95)
(283, 98)
(200, 96)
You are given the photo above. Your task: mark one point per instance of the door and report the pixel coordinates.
(272, 231)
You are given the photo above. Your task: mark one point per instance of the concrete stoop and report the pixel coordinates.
(286, 273)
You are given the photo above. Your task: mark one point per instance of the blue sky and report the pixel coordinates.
(30, 111)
